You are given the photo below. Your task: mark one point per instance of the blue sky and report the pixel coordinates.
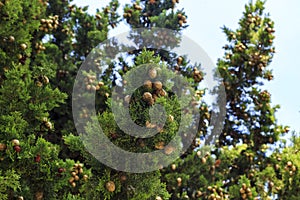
(206, 17)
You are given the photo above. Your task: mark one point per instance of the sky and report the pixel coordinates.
(205, 19)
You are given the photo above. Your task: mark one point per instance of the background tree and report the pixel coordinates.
(237, 166)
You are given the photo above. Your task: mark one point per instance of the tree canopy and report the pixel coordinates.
(44, 45)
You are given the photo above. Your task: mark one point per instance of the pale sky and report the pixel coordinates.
(205, 17)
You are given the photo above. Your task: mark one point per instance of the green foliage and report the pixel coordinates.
(9, 182)
(42, 46)
(74, 142)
